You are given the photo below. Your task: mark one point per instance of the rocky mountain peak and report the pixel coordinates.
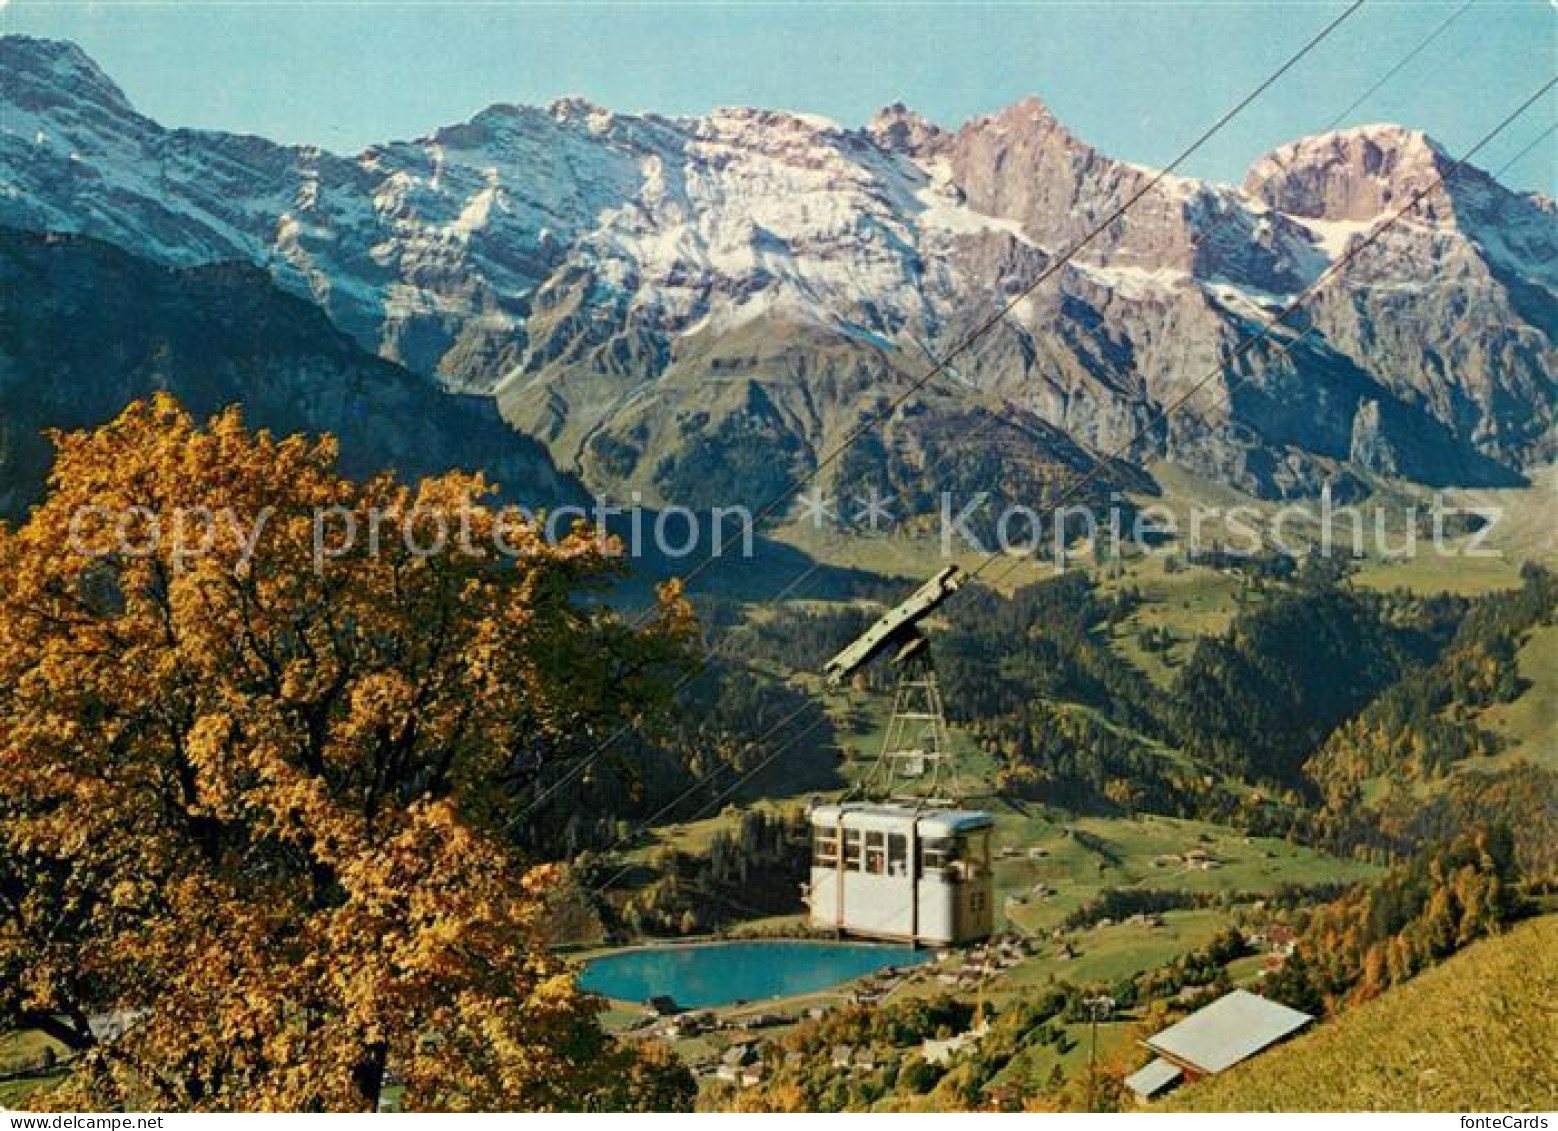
(1353, 174)
(1025, 121)
(575, 109)
(898, 129)
(43, 74)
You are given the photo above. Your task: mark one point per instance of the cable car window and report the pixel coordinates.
(825, 848)
(935, 854)
(897, 854)
(852, 850)
(876, 853)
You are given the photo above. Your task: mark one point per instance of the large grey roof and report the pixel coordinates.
(1151, 1080)
(1233, 1027)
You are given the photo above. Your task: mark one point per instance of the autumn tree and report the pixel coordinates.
(1376, 935)
(253, 796)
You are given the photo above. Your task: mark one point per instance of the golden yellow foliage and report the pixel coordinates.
(252, 798)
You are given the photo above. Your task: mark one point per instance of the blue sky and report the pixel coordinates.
(1139, 80)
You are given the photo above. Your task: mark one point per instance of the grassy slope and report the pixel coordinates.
(1475, 1034)
(1189, 603)
(1121, 852)
(19, 1052)
(1521, 530)
(1529, 724)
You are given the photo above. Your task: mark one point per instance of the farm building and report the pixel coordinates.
(1233, 1028)
(1155, 1079)
(898, 872)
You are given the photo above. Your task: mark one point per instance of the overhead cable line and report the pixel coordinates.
(1050, 270)
(1286, 347)
(940, 366)
(1354, 249)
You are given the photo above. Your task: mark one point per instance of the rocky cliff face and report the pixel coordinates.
(655, 298)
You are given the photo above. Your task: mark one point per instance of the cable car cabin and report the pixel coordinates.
(895, 872)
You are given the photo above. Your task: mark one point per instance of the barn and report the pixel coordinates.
(1233, 1028)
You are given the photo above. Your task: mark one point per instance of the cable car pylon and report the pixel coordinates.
(906, 862)
(915, 764)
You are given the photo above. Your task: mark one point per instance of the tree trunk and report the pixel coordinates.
(368, 1075)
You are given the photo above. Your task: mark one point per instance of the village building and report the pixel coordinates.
(740, 1064)
(1233, 1028)
(940, 1051)
(1283, 940)
(1154, 1080)
(758, 1021)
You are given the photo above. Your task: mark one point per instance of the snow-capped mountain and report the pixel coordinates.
(697, 307)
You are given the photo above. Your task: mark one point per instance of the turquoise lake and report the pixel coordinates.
(703, 976)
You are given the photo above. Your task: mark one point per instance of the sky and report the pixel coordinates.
(1138, 80)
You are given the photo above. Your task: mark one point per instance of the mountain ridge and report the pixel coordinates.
(577, 263)
(101, 328)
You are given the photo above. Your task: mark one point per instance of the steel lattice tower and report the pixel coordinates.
(916, 765)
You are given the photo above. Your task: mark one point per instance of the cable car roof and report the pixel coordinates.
(929, 822)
